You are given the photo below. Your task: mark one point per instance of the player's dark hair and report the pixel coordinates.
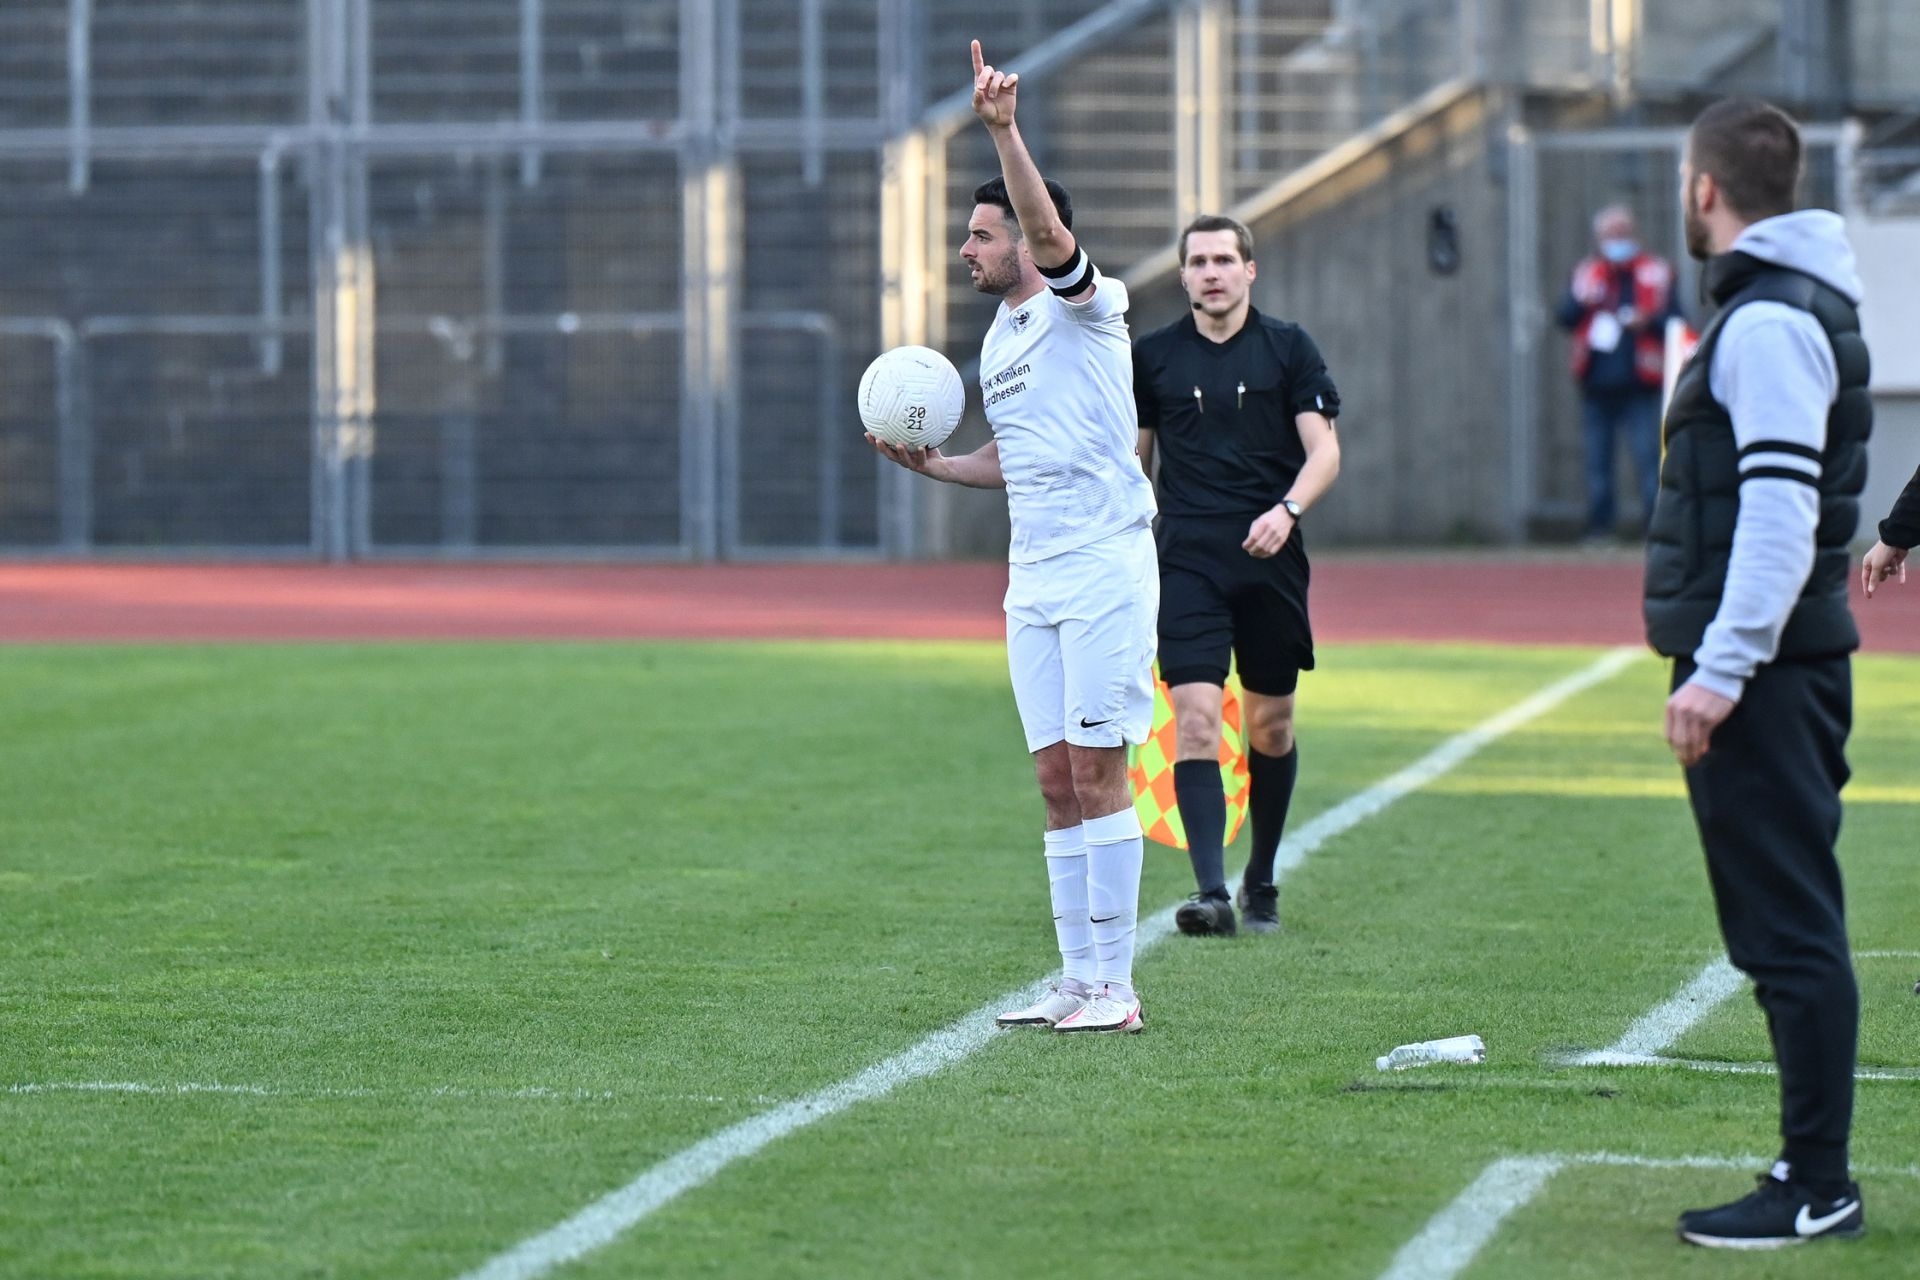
(995, 193)
(1219, 222)
(1752, 149)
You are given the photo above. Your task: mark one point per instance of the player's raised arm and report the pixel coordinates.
(995, 95)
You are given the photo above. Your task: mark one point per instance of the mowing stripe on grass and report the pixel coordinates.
(1453, 1237)
(1443, 759)
(605, 1220)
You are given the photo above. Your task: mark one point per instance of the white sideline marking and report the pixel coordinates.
(1667, 1022)
(1671, 1162)
(1661, 1028)
(1453, 1237)
(603, 1221)
(1743, 1068)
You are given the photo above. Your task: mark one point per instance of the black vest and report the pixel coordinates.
(1690, 538)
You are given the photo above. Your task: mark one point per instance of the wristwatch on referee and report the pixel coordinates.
(1294, 509)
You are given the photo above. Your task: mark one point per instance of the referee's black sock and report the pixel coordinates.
(1203, 811)
(1270, 794)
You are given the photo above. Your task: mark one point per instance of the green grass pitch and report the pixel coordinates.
(414, 951)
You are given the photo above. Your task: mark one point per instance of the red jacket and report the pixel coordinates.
(1594, 289)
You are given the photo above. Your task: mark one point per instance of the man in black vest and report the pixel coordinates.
(1746, 590)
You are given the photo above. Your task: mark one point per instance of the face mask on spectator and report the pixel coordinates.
(1618, 250)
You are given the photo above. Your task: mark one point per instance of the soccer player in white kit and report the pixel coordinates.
(1056, 374)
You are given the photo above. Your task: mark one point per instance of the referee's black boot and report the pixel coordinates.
(1260, 907)
(1779, 1212)
(1205, 915)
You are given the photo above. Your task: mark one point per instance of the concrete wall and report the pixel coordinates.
(1889, 257)
(1888, 250)
(1886, 53)
(1892, 456)
(1684, 44)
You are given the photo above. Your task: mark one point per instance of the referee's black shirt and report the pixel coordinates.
(1223, 412)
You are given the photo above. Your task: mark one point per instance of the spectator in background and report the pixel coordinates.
(1617, 307)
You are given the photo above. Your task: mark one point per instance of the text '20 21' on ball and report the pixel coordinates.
(913, 397)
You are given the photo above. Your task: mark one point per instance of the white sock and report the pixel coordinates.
(1067, 882)
(1114, 855)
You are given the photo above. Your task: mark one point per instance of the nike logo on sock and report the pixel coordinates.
(1805, 1224)
(1102, 919)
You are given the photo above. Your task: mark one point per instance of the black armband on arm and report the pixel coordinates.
(1071, 276)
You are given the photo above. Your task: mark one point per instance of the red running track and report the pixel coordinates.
(1528, 599)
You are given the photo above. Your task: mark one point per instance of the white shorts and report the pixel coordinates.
(1081, 629)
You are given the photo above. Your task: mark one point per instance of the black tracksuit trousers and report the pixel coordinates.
(1767, 799)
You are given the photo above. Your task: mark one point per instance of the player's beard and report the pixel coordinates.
(998, 278)
(1699, 243)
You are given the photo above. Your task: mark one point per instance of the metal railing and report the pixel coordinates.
(1252, 92)
(73, 441)
(349, 501)
(332, 149)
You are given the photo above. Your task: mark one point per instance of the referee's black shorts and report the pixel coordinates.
(1215, 599)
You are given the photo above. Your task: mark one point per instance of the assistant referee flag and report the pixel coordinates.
(1150, 767)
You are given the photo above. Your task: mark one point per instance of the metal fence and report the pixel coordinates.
(453, 277)
(462, 277)
(351, 278)
(458, 277)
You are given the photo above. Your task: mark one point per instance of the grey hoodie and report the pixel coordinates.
(1774, 372)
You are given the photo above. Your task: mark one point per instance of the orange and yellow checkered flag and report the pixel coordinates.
(1150, 767)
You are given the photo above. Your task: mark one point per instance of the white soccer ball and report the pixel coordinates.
(912, 397)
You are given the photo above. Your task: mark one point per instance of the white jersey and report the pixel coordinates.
(1057, 379)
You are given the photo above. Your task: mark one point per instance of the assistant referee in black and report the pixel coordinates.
(1241, 408)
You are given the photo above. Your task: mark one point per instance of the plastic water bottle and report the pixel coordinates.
(1454, 1049)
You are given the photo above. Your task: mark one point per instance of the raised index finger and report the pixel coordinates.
(978, 61)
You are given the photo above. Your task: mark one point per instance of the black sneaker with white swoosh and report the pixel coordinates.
(1779, 1212)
